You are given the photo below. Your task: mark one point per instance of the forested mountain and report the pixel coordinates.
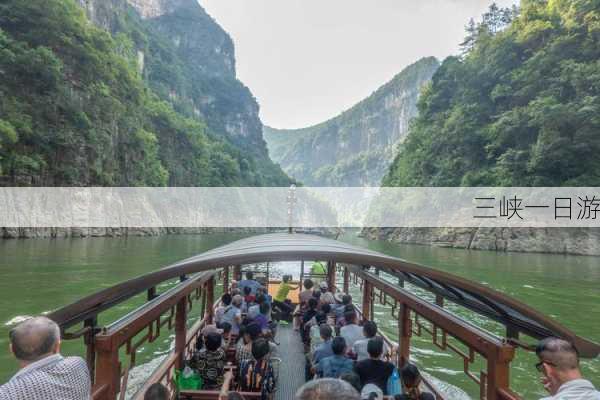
(520, 107)
(144, 95)
(357, 147)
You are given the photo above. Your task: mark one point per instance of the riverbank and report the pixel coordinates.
(575, 241)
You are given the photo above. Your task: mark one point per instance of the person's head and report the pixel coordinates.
(326, 308)
(247, 290)
(260, 348)
(411, 377)
(350, 317)
(317, 295)
(338, 346)
(375, 348)
(346, 299)
(308, 284)
(237, 300)
(157, 391)
(323, 286)
(34, 339)
(369, 329)
(348, 308)
(212, 341)
(225, 327)
(327, 389)
(253, 331)
(234, 284)
(260, 298)
(250, 275)
(226, 299)
(287, 278)
(559, 362)
(353, 379)
(371, 392)
(313, 303)
(264, 308)
(325, 332)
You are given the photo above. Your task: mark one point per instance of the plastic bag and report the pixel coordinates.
(188, 379)
(393, 384)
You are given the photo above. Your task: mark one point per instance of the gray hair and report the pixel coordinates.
(34, 338)
(237, 300)
(327, 389)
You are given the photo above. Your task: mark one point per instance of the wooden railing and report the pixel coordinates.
(161, 314)
(417, 317)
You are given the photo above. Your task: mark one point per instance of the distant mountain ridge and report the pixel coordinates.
(356, 147)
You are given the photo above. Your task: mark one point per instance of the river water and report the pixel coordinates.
(40, 275)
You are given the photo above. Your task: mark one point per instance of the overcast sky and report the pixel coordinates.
(308, 60)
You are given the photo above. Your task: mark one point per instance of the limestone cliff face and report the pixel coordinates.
(356, 147)
(581, 241)
(188, 59)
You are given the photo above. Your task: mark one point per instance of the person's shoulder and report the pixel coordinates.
(74, 362)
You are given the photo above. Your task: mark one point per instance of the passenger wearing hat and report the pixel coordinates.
(208, 329)
(326, 296)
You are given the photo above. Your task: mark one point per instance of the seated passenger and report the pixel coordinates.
(342, 320)
(219, 311)
(254, 309)
(262, 319)
(371, 392)
(44, 373)
(227, 338)
(321, 351)
(249, 282)
(243, 350)
(337, 364)
(282, 293)
(207, 330)
(308, 315)
(559, 364)
(411, 380)
(315, 332)
(373, 370)
(256, 375)
(353, 379)
(360, 346)
(307, 293)
(327, 389)
(351, 331)
(233, 314)
(210, 362)
(340, 309)
(157, 391)
(326, 296)
(249, 298)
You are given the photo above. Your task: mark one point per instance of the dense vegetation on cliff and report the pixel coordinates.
(77, 107)
(520, 107)
(356, 147)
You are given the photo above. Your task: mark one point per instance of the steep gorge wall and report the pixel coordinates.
(357, 147)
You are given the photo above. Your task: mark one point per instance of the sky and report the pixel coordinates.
(308, 60)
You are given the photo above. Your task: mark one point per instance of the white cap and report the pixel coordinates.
(371, 388)
(323, 285)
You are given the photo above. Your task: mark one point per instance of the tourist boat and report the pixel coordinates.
(112, 348)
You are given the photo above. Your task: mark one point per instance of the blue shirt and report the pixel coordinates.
(334, 366)
(323, 350)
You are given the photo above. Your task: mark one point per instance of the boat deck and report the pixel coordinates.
(291, 370)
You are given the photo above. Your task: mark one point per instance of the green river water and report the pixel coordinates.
(40, 275)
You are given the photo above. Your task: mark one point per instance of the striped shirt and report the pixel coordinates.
(53, 377)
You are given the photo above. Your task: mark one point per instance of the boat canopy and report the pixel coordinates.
(514, 314)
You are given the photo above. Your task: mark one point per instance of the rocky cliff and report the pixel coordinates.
(187, 58)
(580, 241)
(357, 147)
